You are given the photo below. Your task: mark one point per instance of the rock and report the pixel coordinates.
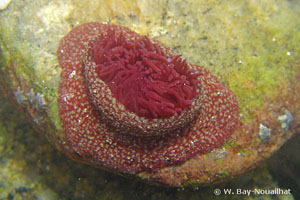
(251, 47)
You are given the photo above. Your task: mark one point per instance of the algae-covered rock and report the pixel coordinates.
(251, 47)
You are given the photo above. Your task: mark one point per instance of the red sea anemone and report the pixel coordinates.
(129, 103)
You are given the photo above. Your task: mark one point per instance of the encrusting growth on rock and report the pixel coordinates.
(129, 103)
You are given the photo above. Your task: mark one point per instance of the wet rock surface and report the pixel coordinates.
(251, 47)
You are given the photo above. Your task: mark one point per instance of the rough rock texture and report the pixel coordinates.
(252, 47)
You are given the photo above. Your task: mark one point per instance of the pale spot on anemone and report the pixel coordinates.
(4, 4)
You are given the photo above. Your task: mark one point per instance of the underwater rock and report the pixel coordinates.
(224, 144)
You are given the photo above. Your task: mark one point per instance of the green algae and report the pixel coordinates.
(13, 61)
(30, 69)
(264, 70)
